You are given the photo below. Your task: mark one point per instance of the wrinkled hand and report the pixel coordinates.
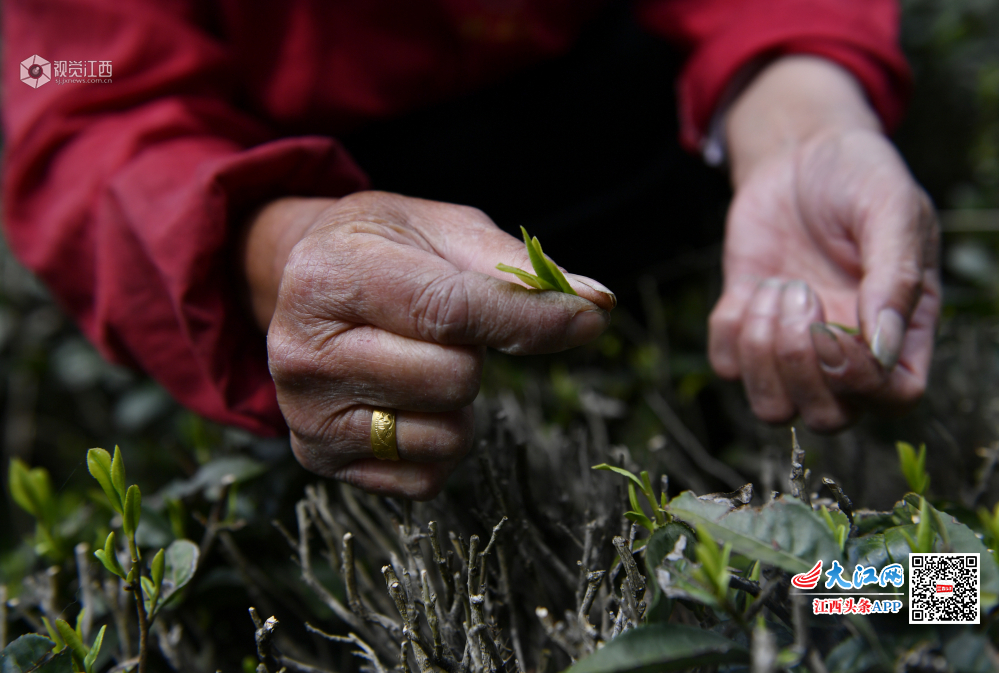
(389, 302)
(834, 229)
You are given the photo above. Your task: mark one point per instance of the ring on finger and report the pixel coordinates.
(383, 442)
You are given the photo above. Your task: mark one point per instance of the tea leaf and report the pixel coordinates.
(99, 464)
(95, 649)
(662, 647)
(785, 533)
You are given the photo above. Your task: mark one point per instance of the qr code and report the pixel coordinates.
(943, 588)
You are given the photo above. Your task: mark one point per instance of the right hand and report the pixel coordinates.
(382, 301)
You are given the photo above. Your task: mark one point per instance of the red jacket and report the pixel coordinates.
(123, 196)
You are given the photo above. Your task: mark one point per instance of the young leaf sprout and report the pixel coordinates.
(548, 277)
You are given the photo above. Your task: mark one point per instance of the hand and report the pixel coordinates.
(389, 302)
(827, 226)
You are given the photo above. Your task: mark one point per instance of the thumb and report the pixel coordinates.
(899, 245)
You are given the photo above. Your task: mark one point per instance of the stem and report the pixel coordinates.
(135, 586)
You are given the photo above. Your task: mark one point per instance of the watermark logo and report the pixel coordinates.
(35, 71)
(891, 575)
(808, 580)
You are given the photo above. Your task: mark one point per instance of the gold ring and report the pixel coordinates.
(383, 442)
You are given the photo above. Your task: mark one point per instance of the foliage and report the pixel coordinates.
(549, 276)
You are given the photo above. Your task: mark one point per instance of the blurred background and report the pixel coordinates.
(644, 390)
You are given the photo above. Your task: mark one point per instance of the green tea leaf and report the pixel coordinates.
(156, 569)
(95, 649)
(53, 633)
(662, 647)
(31, 489)
(784, 533)
(109, 557)
(550, 272)
(527, 278)
(619, 470)
(913, 466)
(99, 464)
(118, 473)
(72, 639)
(641, 520)
(133, 510)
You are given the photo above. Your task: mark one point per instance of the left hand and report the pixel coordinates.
(827, 226)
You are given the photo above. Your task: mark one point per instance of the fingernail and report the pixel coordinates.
(796, 301)
(886, 345)
(586, 326)
(593, 285)
(827, 347)
(766, 300)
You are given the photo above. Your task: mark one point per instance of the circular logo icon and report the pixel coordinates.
(35, 71)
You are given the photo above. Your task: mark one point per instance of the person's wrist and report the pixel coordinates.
(792, 100)
(267, 240)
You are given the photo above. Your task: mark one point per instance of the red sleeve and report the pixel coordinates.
(724, 35)
(122, 196)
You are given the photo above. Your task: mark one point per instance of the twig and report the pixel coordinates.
(114, 596)
(366, 652)
(263, 635)
(593, 580)
(844, 502)
(799, 477)
(82, 553)
(689, 442)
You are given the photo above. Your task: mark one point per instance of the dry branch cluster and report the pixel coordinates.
(474, 605)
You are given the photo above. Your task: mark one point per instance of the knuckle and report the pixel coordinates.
(440, 311)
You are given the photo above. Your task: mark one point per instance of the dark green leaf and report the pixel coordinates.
(663, 541)
(25, 653)
(212, 476)
(662, 647)
(968, 652)
(869, 550)
(58, 663)
(181, 560)
(897, 545)
(99, 464)
(784, 533)
(963, 540)
(851, 656)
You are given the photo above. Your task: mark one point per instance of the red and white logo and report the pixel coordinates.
(35, 71)
(944, 587)
(810, 579)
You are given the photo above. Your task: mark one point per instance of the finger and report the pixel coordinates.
(367, 365)
(757, 360)
(344, 436)
(847, 363)
(898, 248)
(471, 241)
(798, 364)
(725, 324)
(372, 279)
(416, 481)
